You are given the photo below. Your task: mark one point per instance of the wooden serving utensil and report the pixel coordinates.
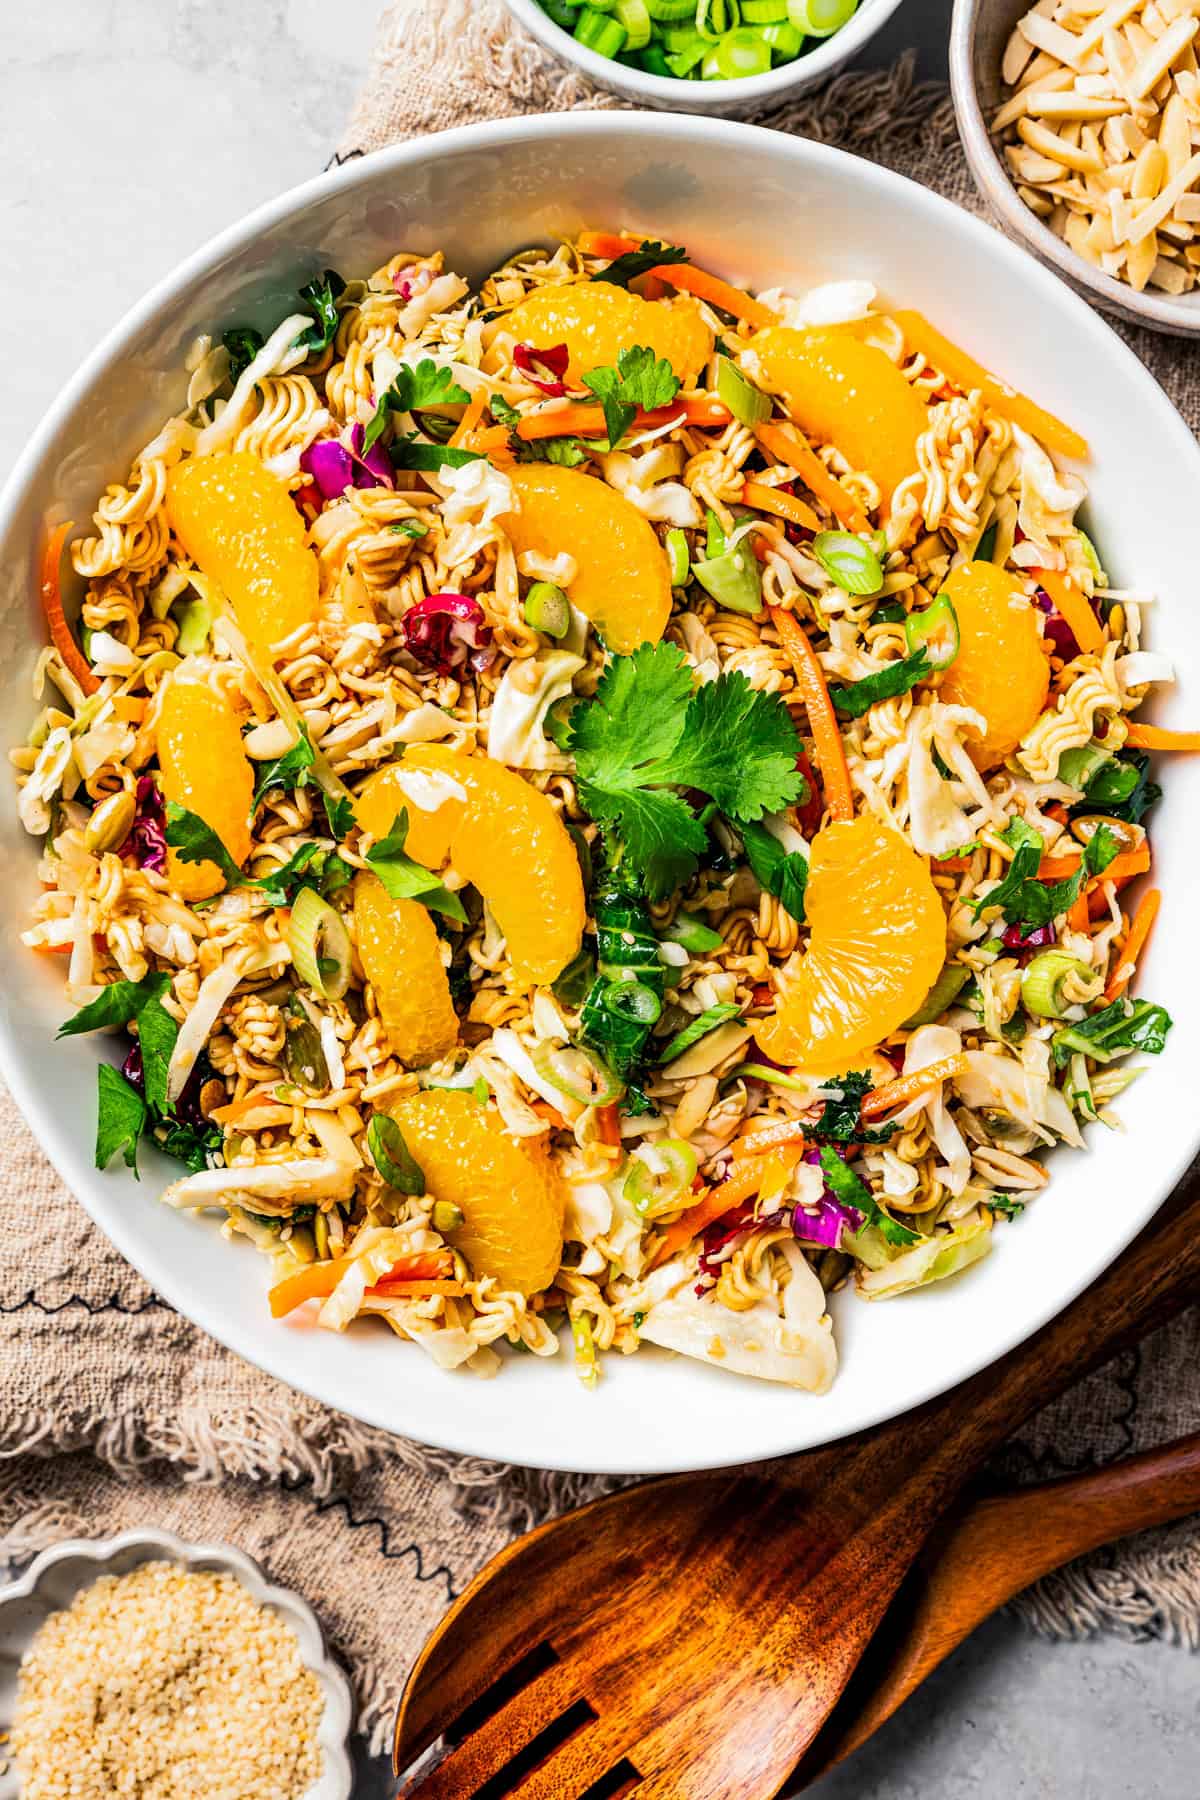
(981, 1556)
(686, 1639)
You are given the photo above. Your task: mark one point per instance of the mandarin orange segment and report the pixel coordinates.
(597, 320)
(843, 392)
(508, 1190)
(501, 835)
(401, 958)
(1001, 669)
(203, 766)
(877, 945)
(240, 527)
(623, 584)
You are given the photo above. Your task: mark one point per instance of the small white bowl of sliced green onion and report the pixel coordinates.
(729, 56)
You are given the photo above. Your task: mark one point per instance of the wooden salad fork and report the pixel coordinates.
(687, 1638)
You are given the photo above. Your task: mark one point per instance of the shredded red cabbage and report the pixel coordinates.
(148, 833)
(446, 632)
(373, 469)
(1016, 938)
(1057, 631)
(402, 285)
(827, 1225)
(187, 1107)
(531, 362)
(718, 1239)
(335, 466)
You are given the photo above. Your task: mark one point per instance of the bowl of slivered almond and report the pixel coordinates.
(1081, 125)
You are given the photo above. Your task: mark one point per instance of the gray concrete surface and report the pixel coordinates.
(130, 131)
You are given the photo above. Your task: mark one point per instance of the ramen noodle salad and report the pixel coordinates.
(602, 801)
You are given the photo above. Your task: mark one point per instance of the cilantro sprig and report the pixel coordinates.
(781, 872)
(857, 697)
(416, 387)
(624, 269)
(1022, 898)
(312, 865)
(322, 293)
(646, 735)
(405, 879)
(640, 379)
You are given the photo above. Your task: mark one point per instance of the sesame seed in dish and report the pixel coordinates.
(1101, 132)
(164, 1683)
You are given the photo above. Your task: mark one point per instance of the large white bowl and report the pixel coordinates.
(763, 209)
(732, 98)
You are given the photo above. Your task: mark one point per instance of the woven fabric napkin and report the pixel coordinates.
(115, 1411)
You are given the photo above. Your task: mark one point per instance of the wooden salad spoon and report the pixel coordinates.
(687, 1638)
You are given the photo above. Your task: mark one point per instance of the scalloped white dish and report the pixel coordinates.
(765, 210)
(58, 1575)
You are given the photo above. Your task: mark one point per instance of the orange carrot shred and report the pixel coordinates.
(784, 506)
(1158, 737)
(1084, 626)
(743, 1180)
(608, 244)
(318, 1280)
(908, 1087)
(770, 1137)
(1140, 928)
(827, 736)
(608, 1121)
(56, 618)
(788, 445)
(718, 293)
(963, 370)
(470, 418)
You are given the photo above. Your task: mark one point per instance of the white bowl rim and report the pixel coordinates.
(1148, 308)
(337, 1778)
(36, 1105)
(807, 69)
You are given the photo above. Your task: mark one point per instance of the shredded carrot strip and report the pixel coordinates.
(1158, 737)
(416, 1290)
(744, 1179)
(318, 1280)
(470, 418)
(966, 373)
(56, 618)
(827, 736)
(1140, 928)
(1079, 916)
(238, 1111)
(783, 506)
(608, 244)
(494, 438)
(907, 1087)
(608, 1119)
(1085, 627)
(788, 445)
(581, 419)
(788, 1131)
(1128, 863)
(718, 293)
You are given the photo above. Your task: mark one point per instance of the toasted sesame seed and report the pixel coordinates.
(166, 1684)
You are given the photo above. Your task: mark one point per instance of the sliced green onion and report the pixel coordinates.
(195, 623)
(596, 31)
(320, 945)
(664, 10)
(763, 12)
(821, 18)
(697, 1029)
(572, 985)
(631, 1000)
(714, 538)
(392, 1156)
(660, 1175)
(679, 557)
(633, 15)
(446, 1216)
(777, 1077)
(945, 990)
(1077, 767)
(734, 580)
(683, 63)
(1079, 1087)
(850, 561)
(1091, 553)
(739, 55)
(1042, 982)
(584, 1340)
(935, 631)
(548, 609)
(785, 41)
(715, 17)
(654, 62)
(748, 404)
(577, 1073)
(563, 12)
(695, 936)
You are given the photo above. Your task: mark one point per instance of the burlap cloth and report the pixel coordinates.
(114, 1411)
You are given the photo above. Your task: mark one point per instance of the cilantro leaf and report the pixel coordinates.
(339, 810)
(656, 830)
(243, 344)
(193, 1145)
(624, 269)
(120, 1117)
(287, 771)
(405, 879)
(503, 411)
(1006, 1205)
(157, 1032)
(567, 452)
(845, 1186)
(196, 842)
(640, 379)
(120, 1002)
(410, 453)
(636, 717)
(303, 868)
(857, 697)
(411, 528)
(739, 745)
(322, 293)
(781, 872)
(698, 1028)
(417, 386)
(1026, 901)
